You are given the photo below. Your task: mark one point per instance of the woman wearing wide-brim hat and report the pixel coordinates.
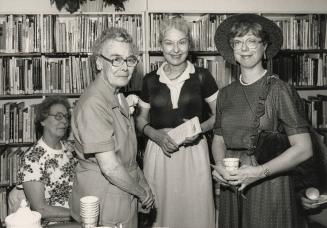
(258, 194)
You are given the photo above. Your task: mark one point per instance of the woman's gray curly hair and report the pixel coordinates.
(111, 33)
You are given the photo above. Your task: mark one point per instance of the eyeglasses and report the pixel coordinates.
(251, 43)
(118, 61)
(59, 116)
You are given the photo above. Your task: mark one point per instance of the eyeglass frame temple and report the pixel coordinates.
(111, 60)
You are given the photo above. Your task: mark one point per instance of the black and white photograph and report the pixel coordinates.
(163, 114)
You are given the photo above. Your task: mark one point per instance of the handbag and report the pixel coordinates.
(266, 145)
(269, 145)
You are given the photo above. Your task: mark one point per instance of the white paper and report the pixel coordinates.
(187, 129)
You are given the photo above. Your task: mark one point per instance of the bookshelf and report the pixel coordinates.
(42, 54)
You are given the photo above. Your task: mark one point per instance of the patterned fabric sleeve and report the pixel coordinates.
(288, 111)
(31, 165)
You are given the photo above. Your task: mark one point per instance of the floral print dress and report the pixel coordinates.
(54, 168)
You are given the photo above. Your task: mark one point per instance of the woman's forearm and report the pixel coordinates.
(120, 178)
(142, 181)
(208, 124)
(117, 174)
(300, 150)
(48, 211)
(218, 149)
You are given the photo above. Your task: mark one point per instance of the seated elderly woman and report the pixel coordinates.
(47, 168)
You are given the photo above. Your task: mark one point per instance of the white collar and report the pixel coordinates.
(185, 75)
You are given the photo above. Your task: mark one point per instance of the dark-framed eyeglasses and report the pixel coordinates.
(118, 61)
(59, 116)
(251, 43)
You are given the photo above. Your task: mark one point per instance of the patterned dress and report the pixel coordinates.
(54, 168)
(181, 184)
(269, 203)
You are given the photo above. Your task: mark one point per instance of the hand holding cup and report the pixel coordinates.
(231, 163)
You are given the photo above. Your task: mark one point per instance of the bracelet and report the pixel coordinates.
(142, 131)
(266, 171)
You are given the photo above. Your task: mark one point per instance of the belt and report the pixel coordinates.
(236, 149)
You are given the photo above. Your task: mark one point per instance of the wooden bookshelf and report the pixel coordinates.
(57, 42)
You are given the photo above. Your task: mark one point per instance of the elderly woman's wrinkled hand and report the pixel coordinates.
(245, 176)
(220, 174)
(167, 144)
(147, 202)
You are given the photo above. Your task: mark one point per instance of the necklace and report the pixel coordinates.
(243, 83)
(178, 75)
(246, 84)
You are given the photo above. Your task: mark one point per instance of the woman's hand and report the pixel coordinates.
(190, 140)
(147, 202)
(167, 144)
(309, 203)
(245, 176)
(220, 174)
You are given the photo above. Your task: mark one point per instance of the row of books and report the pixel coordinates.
(202, 30)
(10, 160)
(17, 123)
(223, 72)
(44, 75)
(20, 33)
(300, 32)
(78, 33)
(3, 204)
(62, 33)
(69, 75)
(301, 69)
(316, 109)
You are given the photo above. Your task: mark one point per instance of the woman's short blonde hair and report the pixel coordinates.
(176, 22)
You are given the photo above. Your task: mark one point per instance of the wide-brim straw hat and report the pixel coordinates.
(223, 30)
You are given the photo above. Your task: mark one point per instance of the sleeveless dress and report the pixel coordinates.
(269, 203)
(182, 184)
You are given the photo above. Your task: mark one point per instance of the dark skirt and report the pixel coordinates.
(269, 203)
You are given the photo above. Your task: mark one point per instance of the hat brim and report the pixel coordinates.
(223, 30)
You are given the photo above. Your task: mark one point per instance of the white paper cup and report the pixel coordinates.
(89, 225)
(89, 200)
(231, 163)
